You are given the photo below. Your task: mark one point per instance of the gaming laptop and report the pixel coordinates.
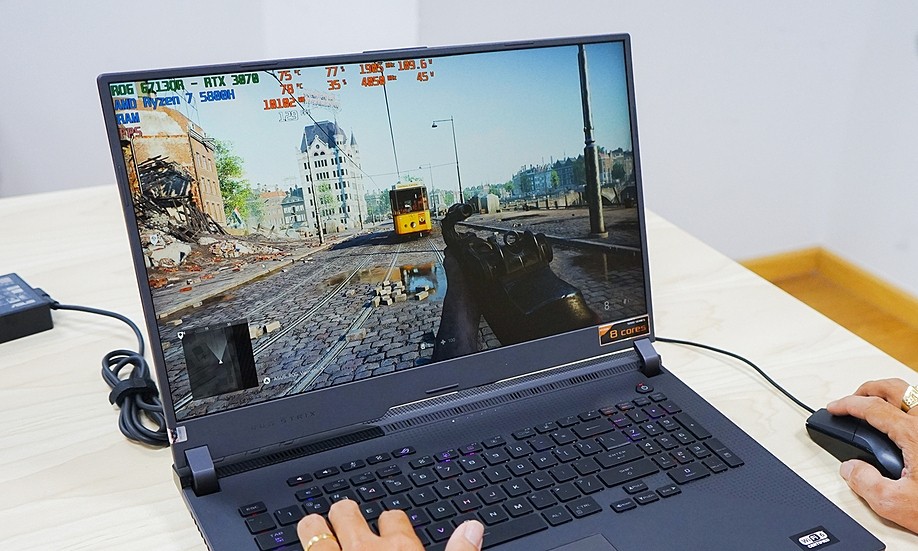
(418, 279)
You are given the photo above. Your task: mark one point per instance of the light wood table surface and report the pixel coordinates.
(70, 480)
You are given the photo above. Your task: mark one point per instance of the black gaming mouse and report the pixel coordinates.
(848, 437)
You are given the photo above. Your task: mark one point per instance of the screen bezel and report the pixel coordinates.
(266, 424)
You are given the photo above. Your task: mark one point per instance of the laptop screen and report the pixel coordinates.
(310, 224)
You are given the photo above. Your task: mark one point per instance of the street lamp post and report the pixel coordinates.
(452, 125)
(433, 190)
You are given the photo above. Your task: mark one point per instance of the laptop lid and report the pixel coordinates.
(285, 219)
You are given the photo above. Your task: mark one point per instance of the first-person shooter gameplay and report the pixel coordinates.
(315, 226)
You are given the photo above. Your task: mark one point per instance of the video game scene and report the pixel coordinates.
(314, 226)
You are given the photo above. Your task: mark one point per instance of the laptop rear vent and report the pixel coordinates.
(462, 409)
(272, 458)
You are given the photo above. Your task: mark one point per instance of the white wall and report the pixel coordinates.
(51, 131)
(764, 127)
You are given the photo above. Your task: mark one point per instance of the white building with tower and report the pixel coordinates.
(330, 175)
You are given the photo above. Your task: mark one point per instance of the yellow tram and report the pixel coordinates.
(410, 210)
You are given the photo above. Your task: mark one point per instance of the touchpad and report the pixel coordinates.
(595, 542)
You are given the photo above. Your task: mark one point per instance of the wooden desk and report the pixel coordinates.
(70, 480)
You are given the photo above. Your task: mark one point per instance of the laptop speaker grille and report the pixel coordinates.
(462, 409)
(272, 458)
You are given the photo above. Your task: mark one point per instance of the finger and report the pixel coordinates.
(396, 529)
(312, 526)
(890, 390)
(867, 482)
(876, 411)
(467, 537)
(351, 528)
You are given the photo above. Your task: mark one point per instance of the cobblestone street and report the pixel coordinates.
(326, 329)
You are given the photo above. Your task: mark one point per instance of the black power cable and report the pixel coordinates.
(135, 393)
(744, 360)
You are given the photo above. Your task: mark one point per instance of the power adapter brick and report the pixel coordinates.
(24, 311)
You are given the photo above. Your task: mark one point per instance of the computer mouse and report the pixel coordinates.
(848, 437)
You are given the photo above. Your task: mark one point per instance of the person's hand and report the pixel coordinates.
(878, 403)
(350, 532)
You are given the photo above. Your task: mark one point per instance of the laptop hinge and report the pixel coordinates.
(203, 474)
(650, 360)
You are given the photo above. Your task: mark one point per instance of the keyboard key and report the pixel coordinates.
(716, 465)
(540, 480)
(518, 450)
(371, 511)
(446, 455)
(288, 515)
(583, 507)
(566, 453)
(589, 415)
(470, 449)
(619, 456)
(585, 466)
(448, 470)
(252, 509)
(423, 496)
(441, 510)
(623, 505)
(396, 484)
(335, 485)
(449, 488)
(593, 428)
(544, 460)
(327, 472)
(379, 458)
(557, 515)
(724, 453)
(362, 478)
(688, 473)
(668, 490)
(420, 462)
(546, 427)
(565, 492)
(353, 465)
(497, 475)
(369, 492)
(523, 434)
(494, 442)
(402, 452)
(260, 523)
(318, 506)
(397, 502)
(490, 496)
(688, 422)
(518, 507)
(520, 468)
(472, 481)
(588, 447)
(588, 484)
(277, 538)
(635, 487)
(389, 470)
(568, 421)
(515, 488)
(492, 515)
(612, 440)
(423, 477)
(563, 436)
(627, 473)
(507, 531)
(645, 498)
(466, 503)
(471, 463)
(563, 473)
(657, 397)
(541, 443)
(496, 456)
(670, 407)
(418, 517)
(440, 531)
(542, 499)
(344, 494)
(300, 479)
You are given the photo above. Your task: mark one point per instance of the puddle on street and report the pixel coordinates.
(600, 264)
(414, 276)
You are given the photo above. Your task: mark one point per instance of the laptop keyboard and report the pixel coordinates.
(516, 484)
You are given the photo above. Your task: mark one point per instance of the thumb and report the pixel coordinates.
(467, 537)
(867, 482)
